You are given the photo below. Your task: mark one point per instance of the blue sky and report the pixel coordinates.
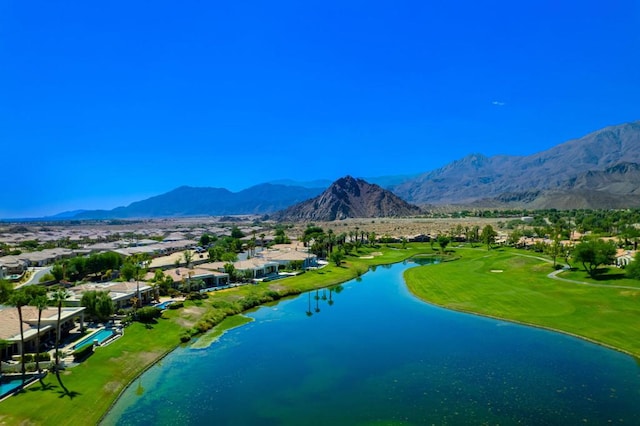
(105, 103)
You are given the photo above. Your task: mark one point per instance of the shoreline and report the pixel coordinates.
(526, 324)
(352, 269)
(356, 273)
(409, 288)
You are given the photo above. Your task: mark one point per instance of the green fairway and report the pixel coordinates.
(506, 284)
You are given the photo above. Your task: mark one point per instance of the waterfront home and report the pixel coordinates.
(285, 256)
(183, 277)
(10, 327)
(121, 293)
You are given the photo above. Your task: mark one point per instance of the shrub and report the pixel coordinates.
(82, 353)
(175, 305)
(148, 313)
(197, 296)
(185, 337)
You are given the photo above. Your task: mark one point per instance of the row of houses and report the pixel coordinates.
(210, 274)
(16, 265)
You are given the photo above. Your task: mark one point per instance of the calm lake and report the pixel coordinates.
(371, 353)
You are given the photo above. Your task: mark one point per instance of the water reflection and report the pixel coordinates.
(384, 357)
(328, 299)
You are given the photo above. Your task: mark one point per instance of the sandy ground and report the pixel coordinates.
(399, 227)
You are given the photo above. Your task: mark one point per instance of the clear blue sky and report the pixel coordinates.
(105, 103)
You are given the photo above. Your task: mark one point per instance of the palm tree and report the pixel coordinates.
(58, 297)
(142, 263)
(251, 246)
(4, 344)
(188, 257)
(41, 302)
(19, 299)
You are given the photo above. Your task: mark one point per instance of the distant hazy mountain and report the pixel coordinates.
(389, 182)
(384, 181)
(349, 198)
(66, 215)
(190, 201)
(320, 183)
(599, 170)
(478, 177)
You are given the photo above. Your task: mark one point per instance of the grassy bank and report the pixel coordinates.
(504, 284)
(95, 384)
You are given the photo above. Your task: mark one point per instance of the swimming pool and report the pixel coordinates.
(101, 336)
(9, 386)
(164, 304)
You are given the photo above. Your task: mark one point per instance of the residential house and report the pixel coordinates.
(10, 327)
(121, 293)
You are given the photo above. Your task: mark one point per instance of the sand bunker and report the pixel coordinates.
(497, 270)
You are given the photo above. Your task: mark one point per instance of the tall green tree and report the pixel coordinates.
(593, 253)
(58, 297)
(41, 301)
(371, 238)
(231, 270)
(188, 258)
(18, 299)
(236, 232)
(135, 267)
(98, 303)
(443, 242)
(488, 236)
(337, 257)
(4, 344)
(6, 288)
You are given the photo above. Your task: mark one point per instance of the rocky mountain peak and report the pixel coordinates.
(349, 197)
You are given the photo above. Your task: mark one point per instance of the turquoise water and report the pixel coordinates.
(373, 354)
(101, 335)
(8, 386)
(164, 304)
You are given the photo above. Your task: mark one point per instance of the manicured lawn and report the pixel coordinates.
(609, 276)
(503, 283)
(95, 384)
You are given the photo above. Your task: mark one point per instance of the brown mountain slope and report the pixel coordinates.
(476, 176)
(349, 198)
(615, 187)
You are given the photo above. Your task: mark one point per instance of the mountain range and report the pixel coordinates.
(479, 179)
(190, 201)
(599, 170)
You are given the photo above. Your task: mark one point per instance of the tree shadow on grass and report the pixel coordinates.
(66, 392)
(60, 389)
(44, 386)
(603, 274)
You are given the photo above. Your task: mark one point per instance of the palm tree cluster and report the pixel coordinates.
(36, 296)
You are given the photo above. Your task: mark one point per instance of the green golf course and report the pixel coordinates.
(504, 283)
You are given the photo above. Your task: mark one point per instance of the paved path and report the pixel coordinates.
(554, 275)
(36, 275)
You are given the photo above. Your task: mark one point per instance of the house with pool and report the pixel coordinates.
(10, 328)
(121, 293)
